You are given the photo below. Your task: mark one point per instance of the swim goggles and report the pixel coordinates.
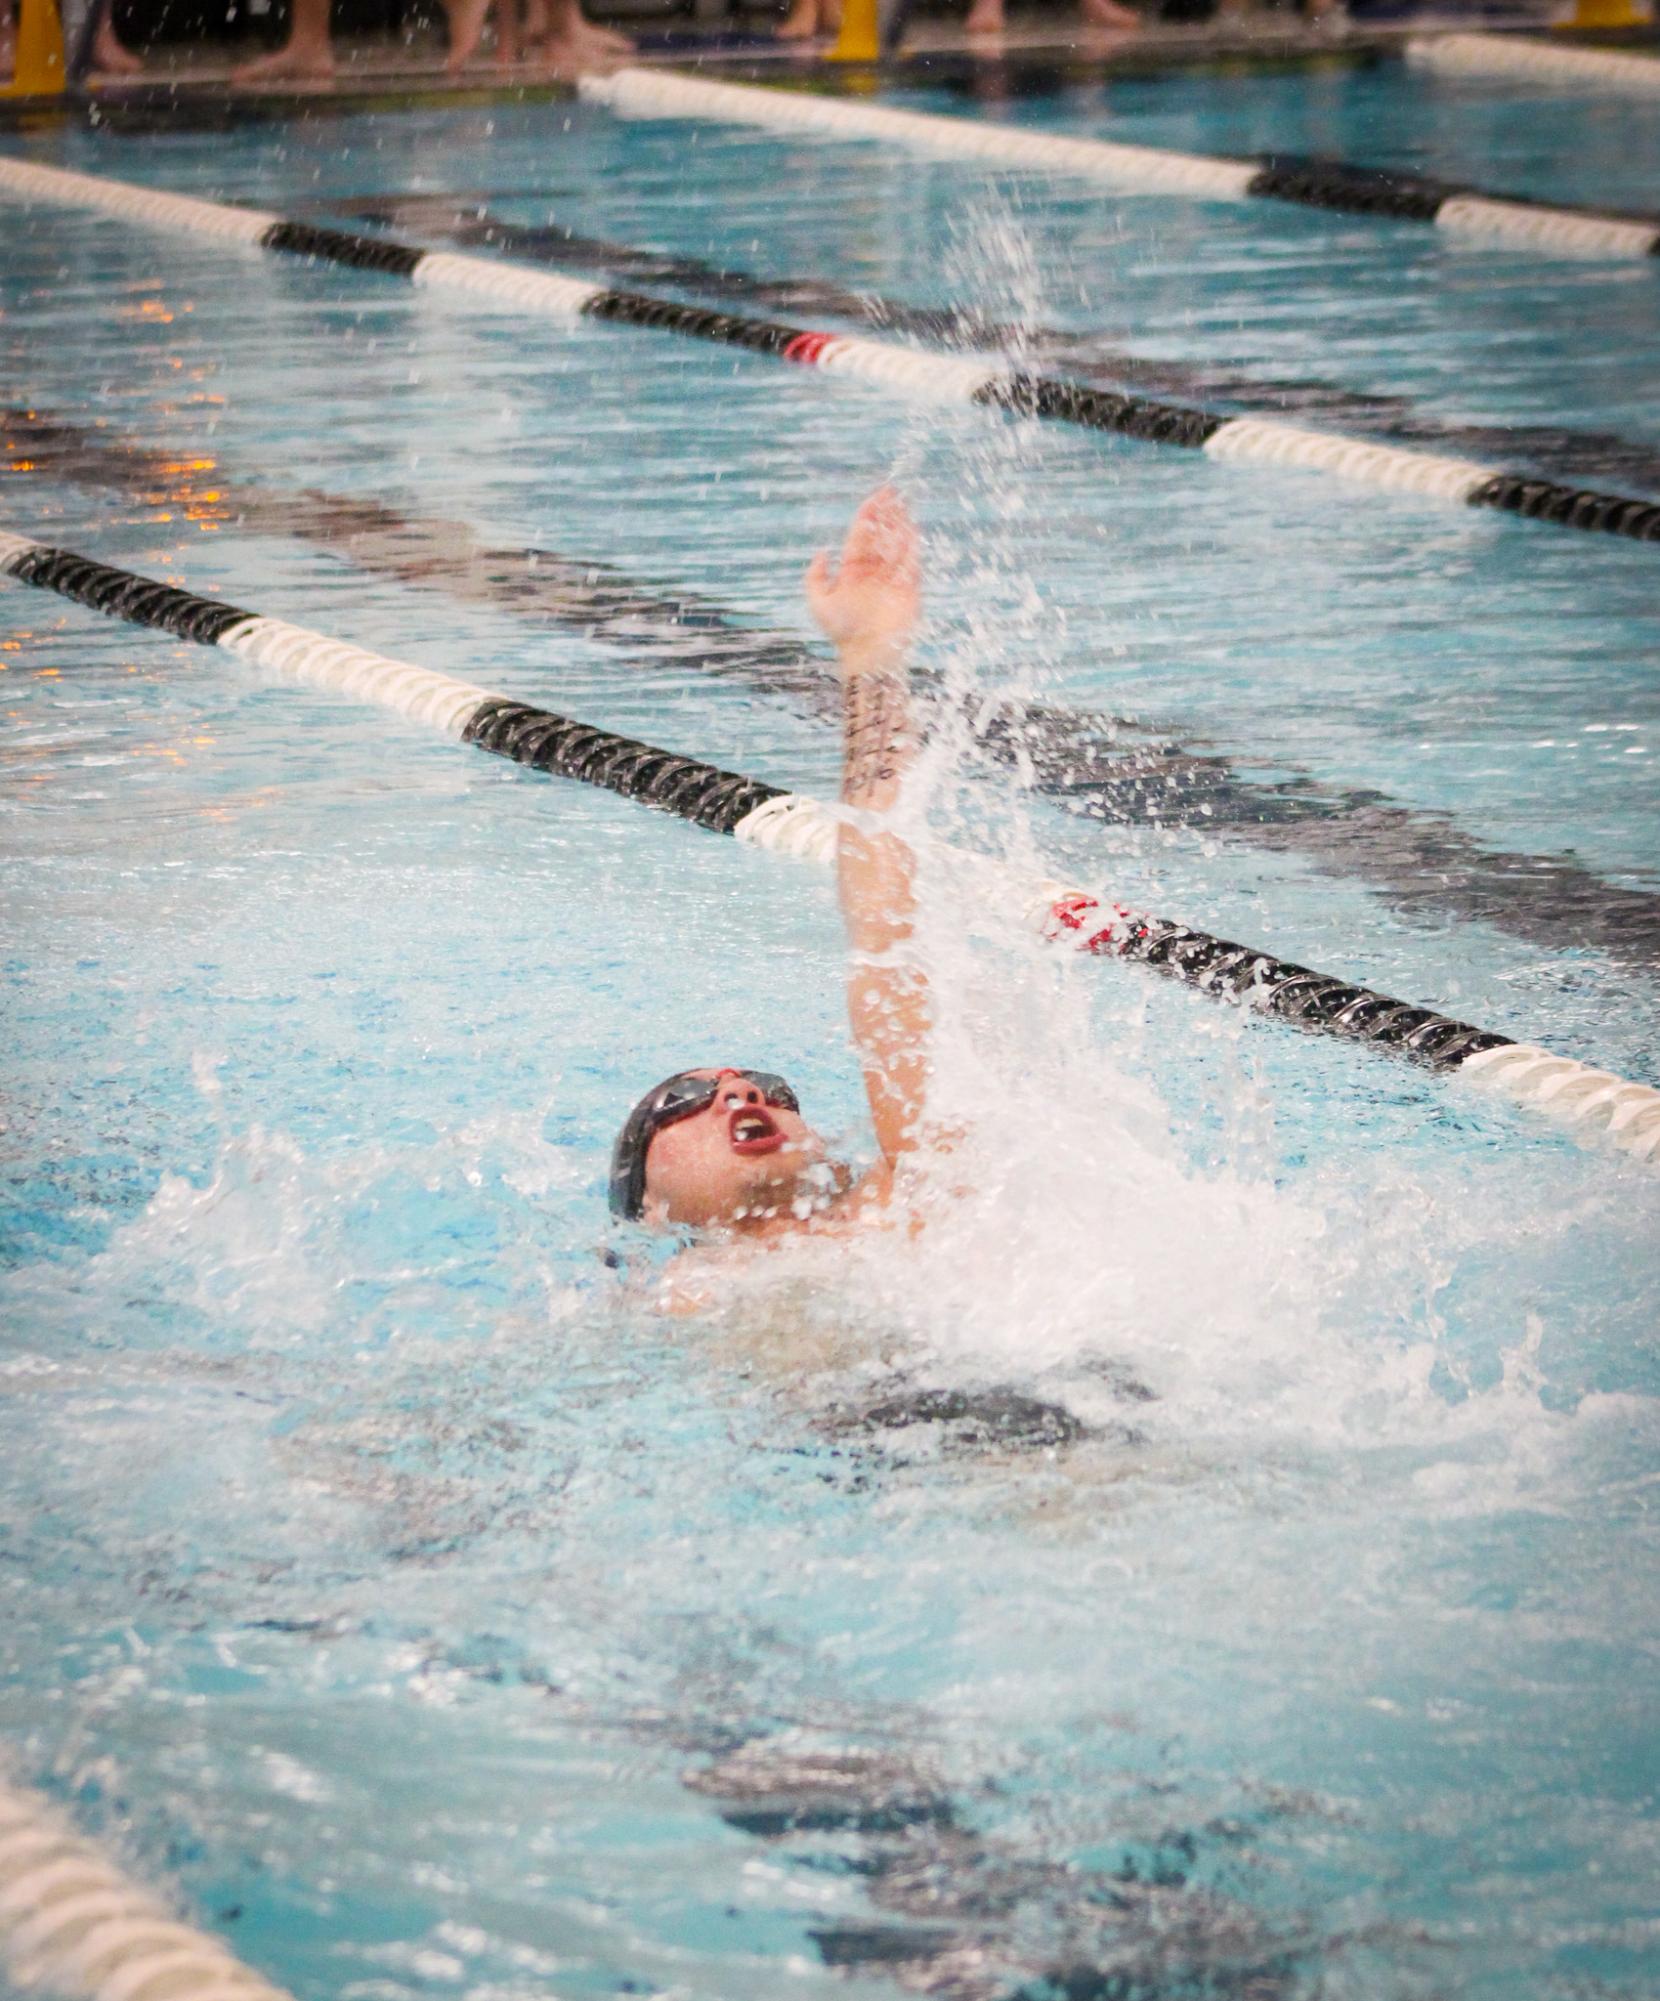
(678, 1097)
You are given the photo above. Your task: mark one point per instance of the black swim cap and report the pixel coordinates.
(677, 1097)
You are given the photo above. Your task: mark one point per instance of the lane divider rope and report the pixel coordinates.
(766, 816)
(1099, 767)
(909, 372)
(1535, 62)
(1309, 183)
(464, 222)
(73, 1924)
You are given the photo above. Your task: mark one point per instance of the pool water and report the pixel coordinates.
(1219, 1556)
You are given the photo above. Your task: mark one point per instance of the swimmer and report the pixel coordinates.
(727, 1150)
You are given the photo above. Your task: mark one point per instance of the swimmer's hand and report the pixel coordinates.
(868, 604)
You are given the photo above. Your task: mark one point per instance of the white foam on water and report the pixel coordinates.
(268, 1245)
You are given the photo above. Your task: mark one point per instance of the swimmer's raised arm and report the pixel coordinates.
(868, 604)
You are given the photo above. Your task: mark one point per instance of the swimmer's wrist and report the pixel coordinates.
(877, 737)
(875, 653)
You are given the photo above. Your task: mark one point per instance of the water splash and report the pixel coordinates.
(1090, 1228)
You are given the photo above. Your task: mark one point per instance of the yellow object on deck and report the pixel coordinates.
(38, 68)
(860, 40)
(1609, 14)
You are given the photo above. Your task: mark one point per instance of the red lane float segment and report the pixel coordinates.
(808, 348)
(1077, 915)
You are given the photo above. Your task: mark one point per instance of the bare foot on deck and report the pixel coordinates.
(985, 17)
(111, 57)
(1109, 14)
(800, 24)
(606, 41)
(300, 61)
(466, 19)
(574, 45)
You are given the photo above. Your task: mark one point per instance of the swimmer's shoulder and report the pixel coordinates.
(695, 1280)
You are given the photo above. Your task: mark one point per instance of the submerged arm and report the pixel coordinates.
(868, 605)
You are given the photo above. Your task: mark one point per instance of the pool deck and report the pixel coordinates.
(391, 73)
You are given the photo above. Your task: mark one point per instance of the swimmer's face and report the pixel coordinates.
(740, 1159)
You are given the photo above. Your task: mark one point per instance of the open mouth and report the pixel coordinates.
(753, 1129)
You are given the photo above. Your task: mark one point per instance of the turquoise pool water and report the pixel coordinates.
(377, 1571)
